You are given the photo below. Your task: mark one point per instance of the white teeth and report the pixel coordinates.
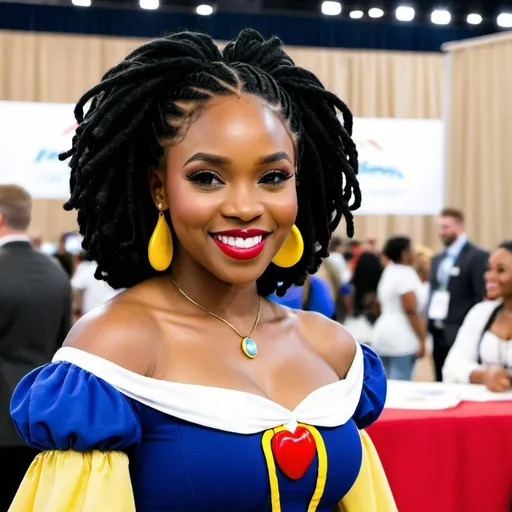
(241, 243)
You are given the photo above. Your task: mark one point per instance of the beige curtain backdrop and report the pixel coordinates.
(59, 68)
(479, 134)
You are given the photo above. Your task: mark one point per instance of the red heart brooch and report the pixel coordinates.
(294, 452)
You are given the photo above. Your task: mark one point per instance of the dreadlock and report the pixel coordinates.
(151, 95)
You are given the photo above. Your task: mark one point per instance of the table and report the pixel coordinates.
(451, 460)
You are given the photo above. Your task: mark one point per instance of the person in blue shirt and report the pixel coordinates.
(315, 295)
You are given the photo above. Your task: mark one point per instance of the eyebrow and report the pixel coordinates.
(222, 160)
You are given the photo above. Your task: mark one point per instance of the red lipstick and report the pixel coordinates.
(240, 244)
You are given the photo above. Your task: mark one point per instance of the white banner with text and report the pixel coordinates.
(400, 160)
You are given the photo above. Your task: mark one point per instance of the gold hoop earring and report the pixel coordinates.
(160, 249)
(291, 251)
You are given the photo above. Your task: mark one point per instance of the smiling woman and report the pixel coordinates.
(205, 181)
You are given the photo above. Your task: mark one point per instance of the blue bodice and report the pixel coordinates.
(177, 465)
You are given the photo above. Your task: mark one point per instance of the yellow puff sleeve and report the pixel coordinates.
(371, 491)
(68, 481)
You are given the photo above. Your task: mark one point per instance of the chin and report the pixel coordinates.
(238, 275)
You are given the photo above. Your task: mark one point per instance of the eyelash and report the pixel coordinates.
(198, 177)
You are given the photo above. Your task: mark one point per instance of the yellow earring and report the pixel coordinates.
(160, 249)
(291, 251)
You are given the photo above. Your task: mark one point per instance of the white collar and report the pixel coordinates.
(227, 409)
(7, 239)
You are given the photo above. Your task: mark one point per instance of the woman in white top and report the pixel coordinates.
(399, 335)
(482, 352)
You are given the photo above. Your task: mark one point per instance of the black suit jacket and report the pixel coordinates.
(35, 317)
(466, 289)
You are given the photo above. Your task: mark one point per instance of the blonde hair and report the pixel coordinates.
(423, 258)
(15, 206)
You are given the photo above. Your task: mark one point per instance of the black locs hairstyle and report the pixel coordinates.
(151, 96)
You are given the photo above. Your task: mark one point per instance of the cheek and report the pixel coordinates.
(188, 209)
(284, 208)
(506, 281)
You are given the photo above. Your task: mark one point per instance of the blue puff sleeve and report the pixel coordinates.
(62, 407)
(373, 394)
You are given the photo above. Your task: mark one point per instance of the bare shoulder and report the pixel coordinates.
(122, 332)
(330, 339)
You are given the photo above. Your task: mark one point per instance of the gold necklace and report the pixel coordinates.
(247, 344)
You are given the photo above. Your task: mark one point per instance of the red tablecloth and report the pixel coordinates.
(454, 460)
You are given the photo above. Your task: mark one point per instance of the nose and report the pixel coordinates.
(242, 202)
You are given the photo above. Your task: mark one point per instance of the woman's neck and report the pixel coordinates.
(507, 304)
(224, 299)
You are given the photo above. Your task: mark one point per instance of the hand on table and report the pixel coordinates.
(496, 379)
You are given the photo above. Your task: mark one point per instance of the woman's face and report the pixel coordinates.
(498, 278)
(408, 256)
(229, 185)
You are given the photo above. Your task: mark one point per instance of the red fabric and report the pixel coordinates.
(455, 460)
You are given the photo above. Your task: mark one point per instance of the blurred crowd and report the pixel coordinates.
(409, 302)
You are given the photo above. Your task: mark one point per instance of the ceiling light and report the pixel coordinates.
(204, 9)
(356, 15)
(441, 17)
(404, 13)
(149, 4)
(375, 12)
(81, 3)
(505, 20)
(474, 19)
(331, 8)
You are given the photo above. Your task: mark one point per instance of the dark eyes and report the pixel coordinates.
(207, 178)
(275, 177)
(212, 179)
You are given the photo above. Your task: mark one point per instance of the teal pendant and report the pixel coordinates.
(249, 348)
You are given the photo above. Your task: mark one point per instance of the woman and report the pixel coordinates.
(399, 335)
(365, 279)
(482, 352)
(217, 398)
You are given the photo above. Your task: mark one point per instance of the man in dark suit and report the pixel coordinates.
(456, 283)
(35, 316)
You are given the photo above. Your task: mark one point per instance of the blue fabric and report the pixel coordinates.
(399, 367)
(293, 30)
(291, 299)
(177, 466)
(60, 406)
(373, 396)
(346, 289)
(319, 300)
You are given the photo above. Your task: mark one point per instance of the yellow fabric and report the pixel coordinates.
(266, 440)
(59, 481)
(322, 468)
(371, 491)
(67, 481)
